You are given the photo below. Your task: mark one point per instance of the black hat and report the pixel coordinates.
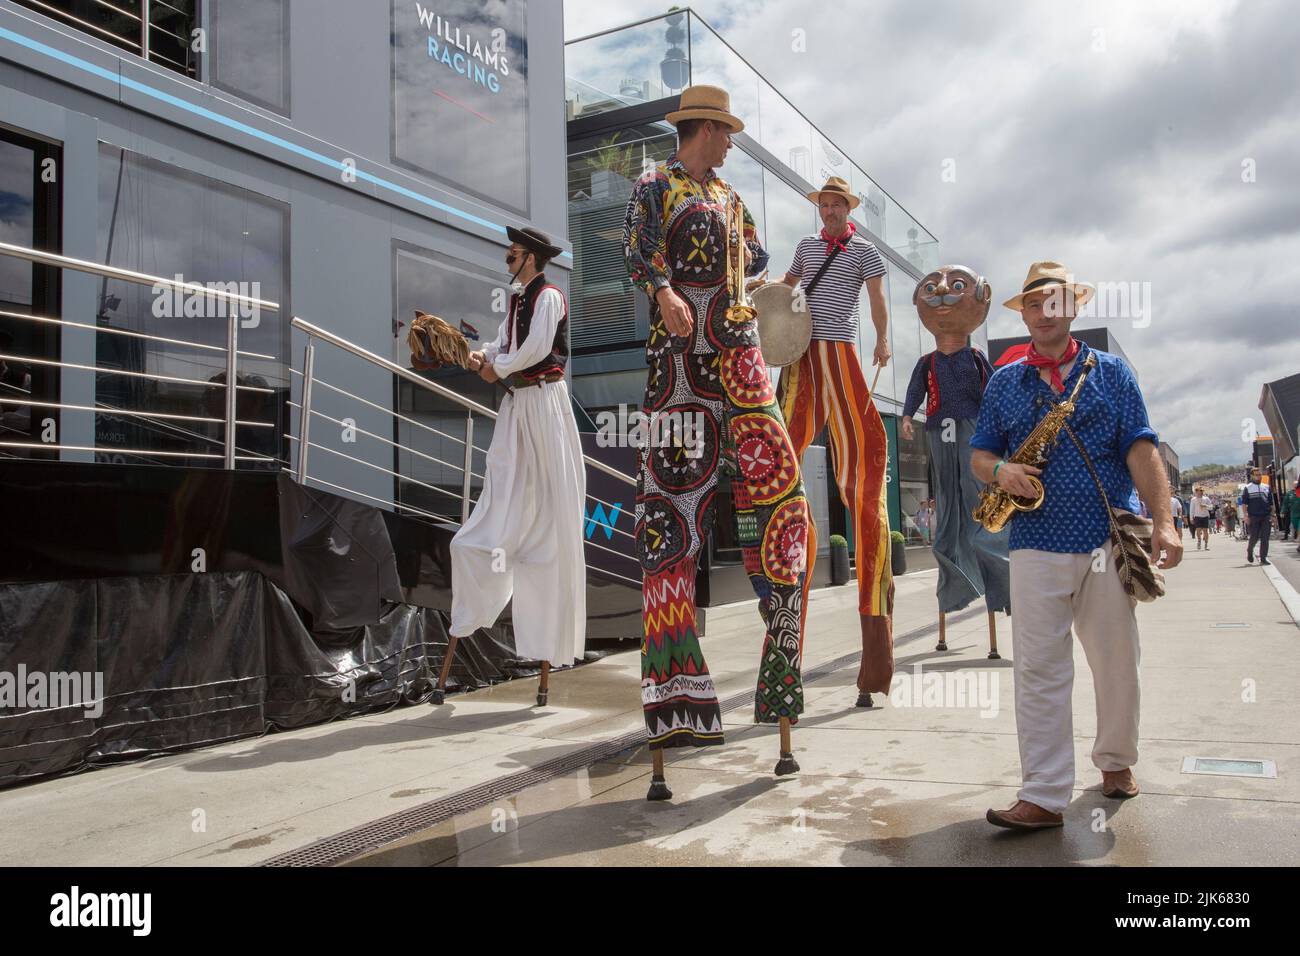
(535, 241)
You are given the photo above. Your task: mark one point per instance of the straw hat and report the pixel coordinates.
(1049, 275)
(836, 187)
(706, 102)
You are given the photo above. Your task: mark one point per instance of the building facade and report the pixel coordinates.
(348, 162)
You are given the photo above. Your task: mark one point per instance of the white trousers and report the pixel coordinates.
(524, 537)
(1049, 593)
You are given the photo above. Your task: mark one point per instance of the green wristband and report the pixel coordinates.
(995, 469)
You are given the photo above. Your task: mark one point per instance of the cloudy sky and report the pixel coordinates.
(1152, 143)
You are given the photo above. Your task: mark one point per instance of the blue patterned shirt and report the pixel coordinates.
(1108, 418)
(961, 378)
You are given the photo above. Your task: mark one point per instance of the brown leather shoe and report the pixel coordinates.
(1118, 784)
(1024, 816)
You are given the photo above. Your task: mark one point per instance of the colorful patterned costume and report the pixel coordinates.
(675, 234)
(826, 386)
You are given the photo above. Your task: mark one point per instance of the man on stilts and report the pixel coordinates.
(683, 222)
(524, 538)
(827, 386)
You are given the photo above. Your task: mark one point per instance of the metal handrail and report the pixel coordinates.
(473, 407)
(230, 454)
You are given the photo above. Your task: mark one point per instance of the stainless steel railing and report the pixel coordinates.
(231, 351)
(311, 381)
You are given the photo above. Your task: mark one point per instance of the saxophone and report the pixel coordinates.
(997, 506)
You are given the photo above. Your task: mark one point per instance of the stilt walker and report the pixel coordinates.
(827, 386)
(689, 243)
(523, 539)
(953, 302)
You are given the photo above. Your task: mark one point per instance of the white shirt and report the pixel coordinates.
(547, 312)
(1200, 507)
(1175, 506)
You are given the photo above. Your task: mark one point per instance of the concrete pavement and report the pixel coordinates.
(892, 785)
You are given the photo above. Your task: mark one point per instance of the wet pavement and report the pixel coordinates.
(896, 784)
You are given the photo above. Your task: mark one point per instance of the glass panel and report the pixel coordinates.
(167, 221)
(714, 63)
(905, 331)
(171, 26)
(17, 176)
(784, 132)
(635, 65)
(871, 211)
(250, 50)
(789, 216)
(911, 239)
(458, 292)
(113, 21)
(460, 103)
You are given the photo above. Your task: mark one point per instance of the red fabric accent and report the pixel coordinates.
(841, 241)
(932, 389)
(1038, 360)
(1015, 353)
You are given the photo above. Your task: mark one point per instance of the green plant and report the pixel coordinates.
(838, 540)
(896, 537)
(617, 159)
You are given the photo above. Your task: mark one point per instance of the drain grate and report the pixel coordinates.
(1222, 624)
(397, 826)
(1230, 767)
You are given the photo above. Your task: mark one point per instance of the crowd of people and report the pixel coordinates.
(1251, 515)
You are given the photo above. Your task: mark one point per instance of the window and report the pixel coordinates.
(29, 217)
(166, 221)
(474, 300)
(250, 50)
(161, 28)
(460, 95)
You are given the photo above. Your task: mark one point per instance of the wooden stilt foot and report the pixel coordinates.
(787, 764)
(544, 684)
(993, 638)
(440, 692)
(658, 785)
(943, 632)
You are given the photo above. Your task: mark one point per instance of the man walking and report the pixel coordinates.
(1200, 505)
(1258, 502)
(1056, 582)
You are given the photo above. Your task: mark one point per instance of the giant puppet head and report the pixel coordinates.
(953, 301)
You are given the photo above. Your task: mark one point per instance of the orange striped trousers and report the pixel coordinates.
(827, 387)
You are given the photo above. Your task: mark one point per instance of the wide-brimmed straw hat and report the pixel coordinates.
(836, 187)
(1049, 275)
(706, 102)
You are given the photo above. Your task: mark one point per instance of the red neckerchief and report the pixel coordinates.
(841, 241)
(1038, 360)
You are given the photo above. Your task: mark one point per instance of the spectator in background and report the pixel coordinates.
(1294, 498)
(1258, 502)
(1176, 509)
(1286, 509)
(1200, 515)
(1230, 517)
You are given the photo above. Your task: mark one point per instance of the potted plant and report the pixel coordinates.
(898, 556)
(839, 559)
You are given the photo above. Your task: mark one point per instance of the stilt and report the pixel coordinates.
(440, 692)
(786, 765)
(543, 684)
(864, 700)
(943, 632)
(658, 786)
(993, 638)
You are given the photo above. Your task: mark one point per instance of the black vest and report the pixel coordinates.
(521, 320)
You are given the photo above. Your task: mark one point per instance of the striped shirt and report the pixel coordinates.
(834, 303)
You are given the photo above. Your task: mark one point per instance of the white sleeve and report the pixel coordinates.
(541, 336)
(493, 348)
